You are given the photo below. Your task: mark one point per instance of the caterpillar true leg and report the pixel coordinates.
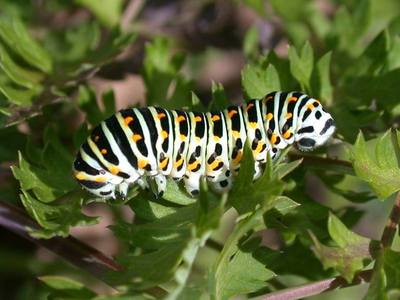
(153, 142)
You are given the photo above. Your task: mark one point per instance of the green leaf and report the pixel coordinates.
(301, 65)
(250, 42)
(386, 275)
(107, 11)
(164, 84)
(171, 238)
(176, 195)
(341, 235)
(219, 99)
(56, 220)
(19, 75)
(237, 270)
(245, 194)
(290, 10)
(323, 84)
(21, 97)
(66, 287)
(257, 81)
(377, 165)
(15, 35)
(392, 269)
(349, 255)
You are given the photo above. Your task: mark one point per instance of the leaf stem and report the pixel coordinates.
(323, 162)
(318, 287)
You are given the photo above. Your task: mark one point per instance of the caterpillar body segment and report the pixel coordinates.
(154, 142)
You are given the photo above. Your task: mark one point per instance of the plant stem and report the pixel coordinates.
(318, 287)
(71, 249)
(323, 162)
(391, 226)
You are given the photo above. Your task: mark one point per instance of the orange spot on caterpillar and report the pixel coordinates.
(164, 134)
(114, 170)
(178, 163)
(183, 137)
(292, 99)
(287, 134)
(216, 138)
(142, 163)
(269, 98)
(193, 165)
(161, 115)
(103, 151)
(96, 138)
(269, 116)
(289, 115)
(163, 164)
(80, 176)
(215, 118)
(236, 134)
(238, 157)
(136, 137)
(253, 124)
(310, 106)
(273, 139)
(180, 119)
(100, 179)
(259, 147)
(197, 119)
(128, 120)
(250, 105)
(232, 113)
(213, 165)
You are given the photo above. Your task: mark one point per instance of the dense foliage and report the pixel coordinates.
(295, 225)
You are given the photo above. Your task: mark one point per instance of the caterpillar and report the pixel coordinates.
(139, 143)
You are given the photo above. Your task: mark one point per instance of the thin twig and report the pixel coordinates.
(318, 287)
(71, 249)
(323, 162)
(392, 223)
(131, 11)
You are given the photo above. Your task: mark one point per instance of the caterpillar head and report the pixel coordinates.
(315, 130)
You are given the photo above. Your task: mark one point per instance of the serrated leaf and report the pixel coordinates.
(176, 195)
(377, 167)
(107, 11)
(16, 36)
(171, 242)
(342, 236)
(230, 276)
(349, 255)
(301, 65)
(257, 81)
(56, 220)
